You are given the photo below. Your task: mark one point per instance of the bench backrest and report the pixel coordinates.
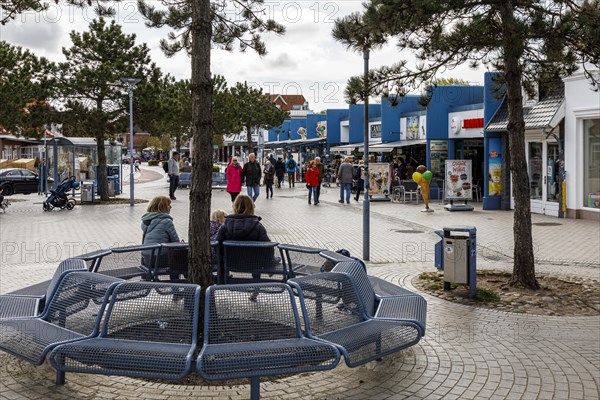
(93, 258)
(250, 313)
(330, 301)
(248, 257)
(127, 262)
(360, 277)
(410, 185)
(176, 256)
(70, 264)
(78, 301)
(153, 312)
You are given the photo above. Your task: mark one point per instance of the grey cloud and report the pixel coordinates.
(42, 37)
(283, 60)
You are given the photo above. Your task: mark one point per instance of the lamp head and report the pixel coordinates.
(130, 81)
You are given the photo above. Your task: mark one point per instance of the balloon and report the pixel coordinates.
(421, 169)
(417, 177)
(427, 175)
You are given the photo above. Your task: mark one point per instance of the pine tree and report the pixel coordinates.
(528, 41)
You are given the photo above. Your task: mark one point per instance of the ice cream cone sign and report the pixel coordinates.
(423, 179)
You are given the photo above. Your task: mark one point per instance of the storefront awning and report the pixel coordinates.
(546, 113)
(388, 147)
(346, 147)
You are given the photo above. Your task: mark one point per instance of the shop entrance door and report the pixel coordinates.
(542, 166)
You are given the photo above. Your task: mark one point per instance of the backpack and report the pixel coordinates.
(290, 164)
(165, 166)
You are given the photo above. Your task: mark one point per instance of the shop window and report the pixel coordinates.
(591, 163)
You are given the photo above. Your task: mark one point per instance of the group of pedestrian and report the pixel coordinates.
(346, 176)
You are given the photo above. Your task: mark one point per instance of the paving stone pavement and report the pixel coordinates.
(467, 353)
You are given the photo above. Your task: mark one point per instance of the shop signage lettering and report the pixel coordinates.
(458, 180)
(375, 131)
(472, 123)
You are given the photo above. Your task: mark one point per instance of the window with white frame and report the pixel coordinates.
(591, 163)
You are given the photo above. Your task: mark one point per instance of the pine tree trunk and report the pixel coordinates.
(524, 265)
(200, 268)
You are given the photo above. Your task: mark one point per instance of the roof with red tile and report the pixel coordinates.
(287, 101)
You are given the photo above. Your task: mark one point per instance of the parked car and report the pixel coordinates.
(19, 180)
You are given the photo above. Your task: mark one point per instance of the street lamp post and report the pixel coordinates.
(131, 82)
(366, 208)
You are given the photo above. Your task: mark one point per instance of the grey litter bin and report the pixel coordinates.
(88, 195)
(459, 260)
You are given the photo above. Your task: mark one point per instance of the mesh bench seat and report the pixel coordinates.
(400, 303)
(93, 258)
(249, 261)
(250, 337)
(128, 262)
(30, 301)
(74, 309)
(149, 331)
(301, 260)
(334, 312)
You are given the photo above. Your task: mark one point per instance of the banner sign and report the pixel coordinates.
(379, 178)
(458, 180)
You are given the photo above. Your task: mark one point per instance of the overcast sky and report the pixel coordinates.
(306, 60)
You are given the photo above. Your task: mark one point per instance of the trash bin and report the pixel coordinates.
(88, 195)
(111, 188)
(459, 256)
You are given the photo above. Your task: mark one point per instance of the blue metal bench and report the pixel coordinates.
(301, 260)
(334, 312)
(245, 338)
(185, 179)
(128, 262)
(402, 304)
(149, 331)
(73, 312)
(93, 258)
(250, 262)
(29, 302)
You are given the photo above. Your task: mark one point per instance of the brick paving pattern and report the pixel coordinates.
(467, 353)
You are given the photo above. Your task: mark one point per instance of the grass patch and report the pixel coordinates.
(485, 295)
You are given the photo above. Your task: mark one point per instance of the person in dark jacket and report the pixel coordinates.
(401, 170)
(251, 174)
(269, 173)
(243, 226)
(345, 174)
(158, 227)
(279, 172)
(359, 177)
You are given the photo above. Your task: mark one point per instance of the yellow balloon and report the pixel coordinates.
(417, 177)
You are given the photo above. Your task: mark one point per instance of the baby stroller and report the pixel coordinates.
(59, 198)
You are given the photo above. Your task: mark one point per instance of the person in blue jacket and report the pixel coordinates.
(291, 167)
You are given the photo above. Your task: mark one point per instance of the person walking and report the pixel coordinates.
(173, 175)
(344, 175)
(251, 175)
(321, 168)
(279, 172)
(233, 173)
(136, 163)
(359, 177)
(312, 181)
(42, 174)
(291, 167)
(269, 173)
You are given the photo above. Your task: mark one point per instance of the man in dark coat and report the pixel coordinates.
(279, 172)
(251, 174)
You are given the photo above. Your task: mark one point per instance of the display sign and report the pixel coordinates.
(379, 178)
(438, 153)
(458, 180)
(495, 168)
(412, 127)
(322, 129)
(375, 131)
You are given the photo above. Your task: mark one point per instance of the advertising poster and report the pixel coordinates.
(438, 154)
(458, 180)
(379, 178)
(495, 168)
(412, 127)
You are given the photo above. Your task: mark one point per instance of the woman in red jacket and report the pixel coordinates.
(312, 181)
(234, 178)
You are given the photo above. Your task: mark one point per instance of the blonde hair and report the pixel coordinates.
(243, 204)
(159, 204)
(218, 215)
